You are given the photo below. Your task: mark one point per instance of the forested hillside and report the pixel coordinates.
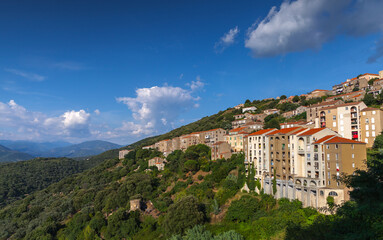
(8, 155)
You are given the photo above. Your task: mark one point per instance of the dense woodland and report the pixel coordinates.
(18, 179)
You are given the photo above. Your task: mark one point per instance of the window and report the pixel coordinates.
(346, 108)
(353, 165)
(373, 133)
(336, 146)
(367, 134)
(334, 124)
(341, 116)
(367, 120)
(373, 112)
(352, 146)
(367, 127)
(373, 127)
(336, 156)
(328, 156)
(333, 117)
(341, 122)
(364, 113)
(353, 155)
(327, 146)
(372, 120)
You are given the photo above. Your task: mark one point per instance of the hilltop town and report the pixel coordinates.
(304, 143)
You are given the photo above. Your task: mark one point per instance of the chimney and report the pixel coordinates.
(316, 122)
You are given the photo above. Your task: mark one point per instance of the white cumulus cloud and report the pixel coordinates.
(17, 123)
(156, 109)
(308, 24)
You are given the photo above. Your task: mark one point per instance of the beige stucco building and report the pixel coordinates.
(314, 110)
(220, 150)
(344, 119)
(371, 125)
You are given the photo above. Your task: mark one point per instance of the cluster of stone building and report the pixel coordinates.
(305, 157)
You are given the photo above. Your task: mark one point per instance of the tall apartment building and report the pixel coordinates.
(371, 124)
(258, 151)
(314, 110)
(308, 164)
(344, 119)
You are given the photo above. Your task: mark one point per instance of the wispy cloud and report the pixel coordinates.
(226, 40)
(308, 24)
(30, 76)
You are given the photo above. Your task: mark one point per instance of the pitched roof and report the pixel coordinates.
(311, 131)
(335, 139)
(283, 131)
(263, 131)
(325, 138)
(336, 96)
(369, 74)
(320, 90)
(342, 105)
(370, 109)
(237, 129)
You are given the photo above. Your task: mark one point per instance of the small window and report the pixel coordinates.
(346, 108)
(367, 128)
(367, 120)
(334, 117)
(364, 113)
(353, 156)
(353, 165)
(352, 146)
(332, 193)
(336, 146)
(373, 133)
(373, 112)
(372, 120)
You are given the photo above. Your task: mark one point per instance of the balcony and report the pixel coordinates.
(301, 150)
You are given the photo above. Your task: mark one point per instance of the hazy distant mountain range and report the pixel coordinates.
(9, 155)
(11, 151)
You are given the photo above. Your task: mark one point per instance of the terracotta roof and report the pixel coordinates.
(357, 95)
(325, 138)
(320, 90)
(263, 131)
(219, 142)
(370, 109)
(311, 131)
(237, 129)
(342, 105)
(336, 96)
(341, 140)
(283, 131)
(369, 74)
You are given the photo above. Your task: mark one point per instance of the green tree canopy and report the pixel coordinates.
(182, 215)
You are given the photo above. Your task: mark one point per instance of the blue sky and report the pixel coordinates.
(121, 71)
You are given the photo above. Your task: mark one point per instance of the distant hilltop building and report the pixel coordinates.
(122, 153)
(248, 109)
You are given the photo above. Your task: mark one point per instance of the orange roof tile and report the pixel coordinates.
(370, 109)
(237, 129)
(263, 131)
(311, 131)
(325, 138)
(342, 140)
(369, 74)
(283, 131)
